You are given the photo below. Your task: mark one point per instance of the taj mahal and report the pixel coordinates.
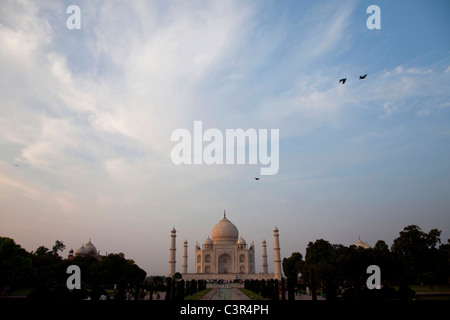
(225, 256)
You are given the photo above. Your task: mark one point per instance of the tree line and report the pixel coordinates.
(415, 257)
(177, 288)
(45, 268)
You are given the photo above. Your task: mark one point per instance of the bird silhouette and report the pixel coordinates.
(343, 80)
(256, 178)
(363, 77)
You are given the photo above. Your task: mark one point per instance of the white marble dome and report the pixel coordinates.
(87, 249)
(91, 249)
(241, 242)
(81, 252)
(208, 241)
(225, 232)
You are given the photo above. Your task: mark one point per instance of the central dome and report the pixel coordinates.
(225, 232)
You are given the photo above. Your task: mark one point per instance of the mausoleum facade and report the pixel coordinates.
(225, 256)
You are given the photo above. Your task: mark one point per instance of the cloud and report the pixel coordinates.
(416, 89)
(148, 95)
(25, 193)
(110, 127)
(88, 114)
(332, 33)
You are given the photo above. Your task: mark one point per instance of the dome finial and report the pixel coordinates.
(224, 214)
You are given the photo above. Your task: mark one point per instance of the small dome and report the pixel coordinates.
(225, 232)
(90, 248)
(81, 251)
(241, 241)
(208, 241)
(362, 244)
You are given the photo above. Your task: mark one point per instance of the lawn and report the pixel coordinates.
(252, 295)
(198, 295)
(427, 288)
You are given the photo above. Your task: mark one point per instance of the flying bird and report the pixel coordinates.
(343, 80)
(363, 77)
(256, 178)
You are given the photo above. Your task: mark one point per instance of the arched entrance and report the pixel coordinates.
(225, 263)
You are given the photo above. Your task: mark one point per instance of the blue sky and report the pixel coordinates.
(88, 114)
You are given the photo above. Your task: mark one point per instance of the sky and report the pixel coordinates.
(86, 118)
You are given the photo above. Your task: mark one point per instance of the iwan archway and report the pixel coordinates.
(225, 263)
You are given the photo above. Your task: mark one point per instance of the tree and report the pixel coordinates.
(443, 266)
(412, 240)
(46, 257)
(292, 266)
(115, 267)
(320, 263)
(383, 258)
(177, 276)
(263, 289)
(59, 246)
(13, 255)
(158, 280)
(321, 256)
(381, 246)
(168, 288)
(40, 251)
(417, 253)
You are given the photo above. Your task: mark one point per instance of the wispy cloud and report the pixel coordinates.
(88, 114)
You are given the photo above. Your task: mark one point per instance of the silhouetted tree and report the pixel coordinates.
(417, 252)
(292, 266)
(443, 264)
(320, 263)
(276, 292)
(168, 288)
(291, 288)
(58, 246)
(263, 288)
(13, 255)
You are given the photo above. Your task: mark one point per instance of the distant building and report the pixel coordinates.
(225, 256)
(85, 250)
(361, 244)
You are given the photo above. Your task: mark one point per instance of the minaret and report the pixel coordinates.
(277, 259)
(172, 260)
(185, 257)
(264, 257)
